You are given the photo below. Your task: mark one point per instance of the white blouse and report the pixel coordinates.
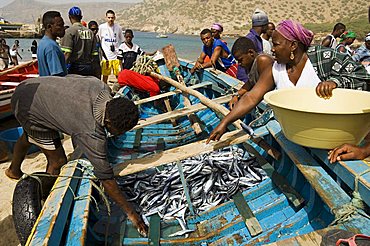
(308, 76)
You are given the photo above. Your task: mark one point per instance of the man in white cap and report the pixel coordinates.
(259, 26)
(362, 54)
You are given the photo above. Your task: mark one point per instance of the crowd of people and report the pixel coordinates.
(268, 57)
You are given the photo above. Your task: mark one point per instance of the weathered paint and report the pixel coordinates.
(53, 217)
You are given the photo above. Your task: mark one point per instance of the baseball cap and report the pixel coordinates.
(75, 11)
(259, 18)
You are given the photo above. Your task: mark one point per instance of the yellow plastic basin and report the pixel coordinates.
(311, 121)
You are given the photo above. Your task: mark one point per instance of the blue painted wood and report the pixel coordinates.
(53, 217)
(78, 225)
(347, 172)
(326, 187)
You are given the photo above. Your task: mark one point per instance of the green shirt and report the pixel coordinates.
(80, 42)
(339, 68)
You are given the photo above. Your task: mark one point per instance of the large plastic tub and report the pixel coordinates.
(10, 137)
(311, 121)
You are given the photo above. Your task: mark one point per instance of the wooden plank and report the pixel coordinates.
(78, 224)
(246, 212)
(154, 230)
(171, 93)
(179, 153)
(173, 65)
(319, 179)
(177, 113)
(169, 109)
(53, 217)
(347, 172)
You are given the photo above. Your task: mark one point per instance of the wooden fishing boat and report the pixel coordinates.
(20, 72)
(295, 205)
(9, 79)
(303, 198)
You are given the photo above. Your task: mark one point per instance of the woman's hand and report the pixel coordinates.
(348, 152)
(325, 88)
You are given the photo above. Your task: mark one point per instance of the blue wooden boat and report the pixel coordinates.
(302, 199)
(285, 218)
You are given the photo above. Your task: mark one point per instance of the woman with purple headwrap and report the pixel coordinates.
(216, 30)
(297, 64)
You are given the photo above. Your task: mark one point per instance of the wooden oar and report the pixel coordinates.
(173, 65)
(218, 108)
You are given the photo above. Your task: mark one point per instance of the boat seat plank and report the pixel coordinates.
(54, 214)
(347, 172)
(245, 211)
(178, 113)
(310, 239)
(319, 179)
(171, 93)
(179, 153)
(154, 230)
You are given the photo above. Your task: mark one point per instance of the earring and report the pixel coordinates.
(291, 56)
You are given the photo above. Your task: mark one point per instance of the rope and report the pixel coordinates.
(354, 207)
(145, 65)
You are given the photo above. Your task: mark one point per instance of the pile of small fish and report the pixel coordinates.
(211, 179)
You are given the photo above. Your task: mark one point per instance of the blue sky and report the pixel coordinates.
(5, 2)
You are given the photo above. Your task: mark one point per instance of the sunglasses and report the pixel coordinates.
(94, 29)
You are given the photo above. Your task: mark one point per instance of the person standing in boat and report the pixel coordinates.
(78, 45)
(221, 57)
(50, 57)
(298, 65)
(330, 41)
(14, 53)
(260, 21)
(89, 117)
(111, 37)
(4, 54)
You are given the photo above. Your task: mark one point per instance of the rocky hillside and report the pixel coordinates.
(192, 16)
(27, 11)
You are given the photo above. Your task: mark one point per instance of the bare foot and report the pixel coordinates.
(139, 224)
(11, 175)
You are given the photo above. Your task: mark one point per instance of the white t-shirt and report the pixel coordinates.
(110, 36)
(266, 46)
(308, 76)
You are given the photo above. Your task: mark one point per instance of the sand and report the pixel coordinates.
(33, 163)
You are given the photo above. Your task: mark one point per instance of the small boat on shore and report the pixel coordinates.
(9, 79)
(303, 198)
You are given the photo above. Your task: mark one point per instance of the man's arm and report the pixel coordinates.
(199, 62)
(326, 42)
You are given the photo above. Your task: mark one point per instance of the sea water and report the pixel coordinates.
(187, 46)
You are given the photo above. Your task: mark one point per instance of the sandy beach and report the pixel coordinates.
(33, 163)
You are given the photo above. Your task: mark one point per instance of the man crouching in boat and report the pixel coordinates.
(78, 106)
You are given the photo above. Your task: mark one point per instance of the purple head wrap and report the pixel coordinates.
(294, 31)
(217, 26)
